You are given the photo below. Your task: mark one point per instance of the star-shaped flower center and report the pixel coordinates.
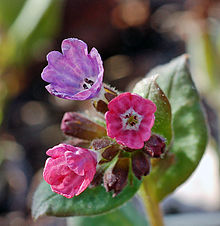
(131, 120)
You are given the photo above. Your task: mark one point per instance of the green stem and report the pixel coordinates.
(152, 207)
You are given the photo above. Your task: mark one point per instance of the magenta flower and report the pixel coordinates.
(130, 119)
(70, 169)
(74, 74)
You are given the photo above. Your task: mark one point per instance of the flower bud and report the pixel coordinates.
(101, 106)
(77, 125)
(98, 178)
(110, 152)
(115, 178)
(107, 148)
(77, 142)
(109, 93)
(101, 143)
(127, 149)
(106, 95)
(155, 146)
(140, 164)
(69, 170)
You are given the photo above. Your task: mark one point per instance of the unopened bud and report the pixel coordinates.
(101, 143)
(77, 125)
(110, 152)
(116, 178)
(97, 179)
(106, 95)
(110, 94)
(101, 106)
(108, 148)
(155, 146)
(77, 142)
(140, 164)
(127, 149)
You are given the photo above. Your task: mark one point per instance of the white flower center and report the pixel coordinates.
(131, 120)
(87, 83)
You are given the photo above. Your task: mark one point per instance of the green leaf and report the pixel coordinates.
(32, 31)
(148, 88)
(189, 129)
(127, 215)
(9, 12)
(92, 201)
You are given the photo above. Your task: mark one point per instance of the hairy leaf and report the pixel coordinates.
(92, 201)
(148, 88)
(127, 215)
(189, 129)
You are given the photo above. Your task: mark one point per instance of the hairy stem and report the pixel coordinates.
(151, 205)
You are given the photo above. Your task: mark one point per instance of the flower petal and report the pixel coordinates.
(142, 106)
(113, 123)
(80, 161)
(120, 104)
(66, 188)
(55, 170)
(88, 179)
(131, 139)
(146, 126)
(57, 151)
(61, 74)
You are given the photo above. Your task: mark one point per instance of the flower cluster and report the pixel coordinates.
(93, 154)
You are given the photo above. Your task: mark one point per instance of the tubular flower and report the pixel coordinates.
(77, 125)
(155, 146)
(130, 119)
(74, 74)
(70, 169)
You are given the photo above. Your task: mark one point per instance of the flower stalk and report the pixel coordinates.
(151, 204)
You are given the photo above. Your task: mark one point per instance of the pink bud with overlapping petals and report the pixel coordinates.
(69, 170)
(130, 119)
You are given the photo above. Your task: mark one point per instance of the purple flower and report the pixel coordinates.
(74, 74)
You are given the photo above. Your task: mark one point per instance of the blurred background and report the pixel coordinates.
(132, 36)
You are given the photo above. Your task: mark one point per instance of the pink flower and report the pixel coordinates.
(130, 119)
(70, 169)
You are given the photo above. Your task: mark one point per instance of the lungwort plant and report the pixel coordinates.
(148, 141)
